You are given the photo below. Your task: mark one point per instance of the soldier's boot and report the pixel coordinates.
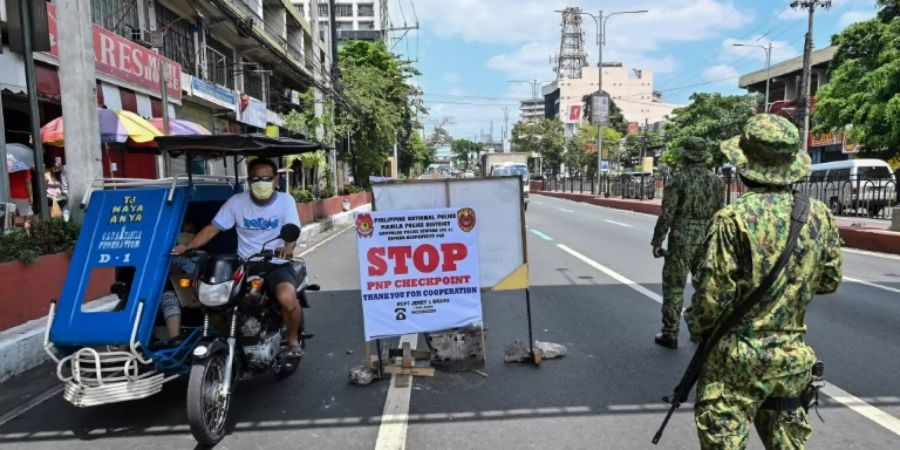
(666, 340)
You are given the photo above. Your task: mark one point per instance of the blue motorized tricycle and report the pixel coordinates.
(227, 325)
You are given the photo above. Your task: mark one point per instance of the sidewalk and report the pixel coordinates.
(857, 232)
(21, 347)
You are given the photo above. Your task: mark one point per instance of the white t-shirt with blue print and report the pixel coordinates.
(257, 224)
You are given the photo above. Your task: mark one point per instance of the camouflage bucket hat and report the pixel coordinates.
(767, 151)
(694, 149)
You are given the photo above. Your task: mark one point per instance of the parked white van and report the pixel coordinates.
(852, 185)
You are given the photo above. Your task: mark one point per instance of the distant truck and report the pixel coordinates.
(506, 164)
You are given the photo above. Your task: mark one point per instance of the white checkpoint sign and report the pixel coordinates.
(418, 270)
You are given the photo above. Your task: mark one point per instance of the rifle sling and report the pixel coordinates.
(799, 217)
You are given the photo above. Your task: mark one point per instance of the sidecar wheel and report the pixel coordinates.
(207, 405)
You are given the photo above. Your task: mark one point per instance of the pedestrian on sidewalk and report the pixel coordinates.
(761, 370)
(689, 201)
(20, 192)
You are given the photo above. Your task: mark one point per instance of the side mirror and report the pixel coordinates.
(289, 232)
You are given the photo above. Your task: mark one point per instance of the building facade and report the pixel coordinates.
(235, 65)
(631, 90)
(784, 90)
(531, 110)
(355, 19)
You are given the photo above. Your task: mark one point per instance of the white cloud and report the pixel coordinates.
(721, 75)
(518, 21)
(851, 17)
(781, 50)
(530, 62)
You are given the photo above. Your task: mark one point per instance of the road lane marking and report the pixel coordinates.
(837, 394)
(323, 242)
(566, 210)
(618, 223)
(612, 274)
(541, 235)
(861, 407)
(25, 407)
(871, 284)
(395, 416)
(868, 253)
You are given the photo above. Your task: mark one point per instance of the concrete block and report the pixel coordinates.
(895, 221)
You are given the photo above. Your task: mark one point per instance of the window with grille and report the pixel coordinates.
(120, 17)
(344, 25)
(253, 83)
(323, 9)
(366, 25)
(343, 10)
(178, 42)
(219, 63)
(300, 7)
(365, 10)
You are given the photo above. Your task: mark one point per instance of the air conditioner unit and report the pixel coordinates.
(142, 37)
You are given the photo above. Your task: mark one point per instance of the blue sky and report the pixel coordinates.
(468, 49)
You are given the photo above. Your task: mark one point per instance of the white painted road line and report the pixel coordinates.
(541, 235)
(566, 210)
(25, 407)
(837, 394)
(311, 249)
(861, 407)
(395, 416)
(618, 223)
(612, 274)
(871, 284)
(868, 253)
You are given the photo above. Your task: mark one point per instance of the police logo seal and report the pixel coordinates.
(466, 219)
(364, 225)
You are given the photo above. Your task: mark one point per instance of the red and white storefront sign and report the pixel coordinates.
(124, 60)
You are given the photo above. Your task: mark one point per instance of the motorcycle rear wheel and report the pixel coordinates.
(207, 406)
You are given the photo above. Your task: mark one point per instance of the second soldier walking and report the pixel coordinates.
(690, 199)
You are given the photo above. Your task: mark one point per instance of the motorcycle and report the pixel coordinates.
(250, 342)
(118, 348)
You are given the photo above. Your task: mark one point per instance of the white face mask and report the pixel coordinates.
(262, 190)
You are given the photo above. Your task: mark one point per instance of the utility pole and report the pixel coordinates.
(77, 79)
(806, 79)
(26, 18)
(337, 85)
(505, 125)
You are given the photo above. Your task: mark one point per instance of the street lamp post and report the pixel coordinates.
(600, 22)
(768, 50)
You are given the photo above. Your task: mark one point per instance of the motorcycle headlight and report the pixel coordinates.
(215, 294)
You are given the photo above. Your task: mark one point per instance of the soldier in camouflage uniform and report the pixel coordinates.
(691, 198)
(765, 356)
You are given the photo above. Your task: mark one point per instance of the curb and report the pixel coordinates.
(870, 240)
(22, 346)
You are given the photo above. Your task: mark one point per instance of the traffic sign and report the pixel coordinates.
(600, 109)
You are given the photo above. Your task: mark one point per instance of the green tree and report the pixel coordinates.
(863, 94)
(544, 137)
(465, 152)
(577, 156)
(711, 116)
(384, 105)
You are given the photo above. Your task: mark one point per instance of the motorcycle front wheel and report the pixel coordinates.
(207, 403)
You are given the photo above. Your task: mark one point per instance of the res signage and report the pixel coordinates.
(418, 270)
(125, 60)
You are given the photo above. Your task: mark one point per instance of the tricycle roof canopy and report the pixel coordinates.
(231, 144)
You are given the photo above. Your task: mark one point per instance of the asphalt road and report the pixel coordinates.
(594, 287)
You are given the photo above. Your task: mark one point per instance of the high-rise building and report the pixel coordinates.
(365, 20)
(531, 110)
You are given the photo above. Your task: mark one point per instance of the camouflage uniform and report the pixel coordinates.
(765, 356)
(690, 199)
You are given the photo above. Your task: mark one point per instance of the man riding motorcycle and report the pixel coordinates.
(258, 216)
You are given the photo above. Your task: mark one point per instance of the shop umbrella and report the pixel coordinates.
(180, 127)
(19, 157)
(115, 127)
